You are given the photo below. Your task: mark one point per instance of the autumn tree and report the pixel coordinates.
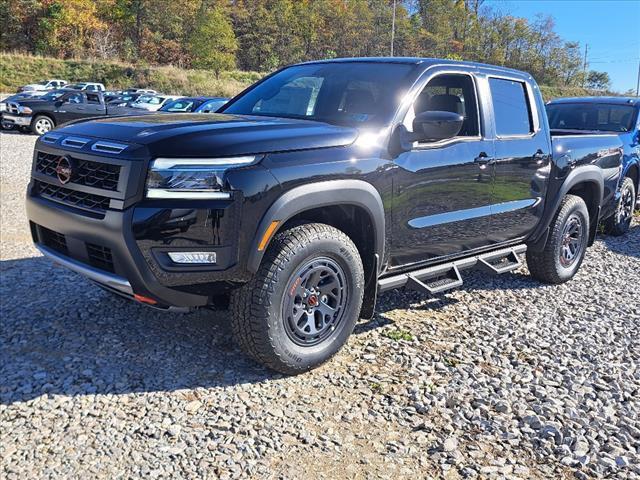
(213, 44)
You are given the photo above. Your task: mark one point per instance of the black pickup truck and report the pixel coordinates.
(317, 188)
(41, 114)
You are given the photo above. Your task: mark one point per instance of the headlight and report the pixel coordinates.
(26, 110)
(194, 178)
(3, 107)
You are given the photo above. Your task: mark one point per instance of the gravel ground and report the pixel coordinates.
(506, 378)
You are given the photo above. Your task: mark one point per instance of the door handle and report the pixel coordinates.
(483, 160)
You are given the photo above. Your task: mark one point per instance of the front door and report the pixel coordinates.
(73, 107)
(443, 190)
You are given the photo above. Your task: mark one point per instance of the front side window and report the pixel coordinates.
(75, 98)
(510, 107)
(449, 93)
(340, 93)
(599, 117)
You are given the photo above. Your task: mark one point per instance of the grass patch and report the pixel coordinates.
(397, 335)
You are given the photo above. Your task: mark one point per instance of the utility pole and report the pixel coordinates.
(638, 84)
(584, 67)
(393, 26)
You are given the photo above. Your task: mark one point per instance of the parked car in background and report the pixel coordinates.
(606, 115)
(194, 104)
(88, 86)
(43, 86)
(152, 103)
(212, 105)
(60, 106)
(140, 90)
(122, 100)
(326, 183)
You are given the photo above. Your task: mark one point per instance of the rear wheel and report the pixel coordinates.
(303, 303)
(566, 245)
(618, 224)
(42, 124)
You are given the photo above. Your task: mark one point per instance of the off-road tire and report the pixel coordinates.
(546, 265)
(258, 323)
(619, 223)
(41, 119)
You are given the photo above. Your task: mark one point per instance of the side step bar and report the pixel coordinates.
(439, 278)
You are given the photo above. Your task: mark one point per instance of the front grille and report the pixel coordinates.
(13, 108)
(73, 198)
(54, 240)
(100, 257)
(85, 172)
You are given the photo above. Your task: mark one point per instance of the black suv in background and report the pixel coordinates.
(319, 187)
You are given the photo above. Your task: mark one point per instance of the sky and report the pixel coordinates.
(611, 28)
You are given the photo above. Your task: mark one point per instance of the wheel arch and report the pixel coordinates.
(335, 202)
(633, 172)
(43, 114)
(585, 182)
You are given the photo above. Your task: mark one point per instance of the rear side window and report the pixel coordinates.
(93, 98)
(511, 107)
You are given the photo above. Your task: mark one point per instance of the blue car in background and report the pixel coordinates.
(598, 115)
(194, 105)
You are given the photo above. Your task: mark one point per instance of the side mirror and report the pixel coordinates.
(436, 125)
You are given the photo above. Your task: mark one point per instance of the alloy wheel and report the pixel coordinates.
(625, 206)
(43, 125)
(571, 245)
(315, 301)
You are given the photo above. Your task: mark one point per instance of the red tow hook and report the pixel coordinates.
(143, 299)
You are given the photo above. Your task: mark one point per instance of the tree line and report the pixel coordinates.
(262, 35)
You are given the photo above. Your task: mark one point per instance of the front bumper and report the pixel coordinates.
(106, 251)
(19, 120)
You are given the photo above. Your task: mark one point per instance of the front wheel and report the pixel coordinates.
(619, 223)
(303, 303)
(566, 245)
(42, 124)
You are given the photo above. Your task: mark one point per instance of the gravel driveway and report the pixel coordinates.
(505, 378)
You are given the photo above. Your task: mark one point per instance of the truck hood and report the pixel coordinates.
(209, 134)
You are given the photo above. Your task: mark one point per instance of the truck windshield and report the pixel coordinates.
(341, 93)
(51, 96)
(591, 116)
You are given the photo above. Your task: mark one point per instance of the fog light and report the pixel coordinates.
(192, 257)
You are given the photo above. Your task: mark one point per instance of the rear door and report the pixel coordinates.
(522, 156)
(443, 190)
(95, 105)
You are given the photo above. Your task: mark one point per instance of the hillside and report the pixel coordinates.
(17, 69)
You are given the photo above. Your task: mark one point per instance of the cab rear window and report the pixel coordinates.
(511, 107)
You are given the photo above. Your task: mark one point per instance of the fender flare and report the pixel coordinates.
(585, 174)
(321, 194)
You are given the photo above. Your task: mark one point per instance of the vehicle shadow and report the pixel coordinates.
(14, 131)
(63, 335)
